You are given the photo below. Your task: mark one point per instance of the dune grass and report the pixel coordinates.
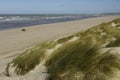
(115, 43)
(26, 62)
(30, 58)
(65, 39)
(67, 57)
(117, 21)
(82, 59)
(103, 33)
(76, 60)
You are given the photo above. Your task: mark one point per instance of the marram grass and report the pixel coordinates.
(81, 57)
(77, 60)
(30, 58)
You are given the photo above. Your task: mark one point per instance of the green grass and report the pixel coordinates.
(115, 43)
(103, 67)
(66, 58)
(47, 45)
(81, 57)
(26, 62)
(117, 21)
(30, 58)
(65, 39)
(104, 28)
(84, 57)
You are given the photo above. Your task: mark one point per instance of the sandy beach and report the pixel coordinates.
(14, 41)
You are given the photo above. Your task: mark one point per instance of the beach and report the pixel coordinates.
(15, 41)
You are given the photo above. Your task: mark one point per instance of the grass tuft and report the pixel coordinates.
(65, 39)
(115, 43)
(27, 62)
(82, 59)
(76, 60)
(29, 59)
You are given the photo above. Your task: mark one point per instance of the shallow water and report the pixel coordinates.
(17, 21)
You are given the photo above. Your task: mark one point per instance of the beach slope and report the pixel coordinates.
(14, 41)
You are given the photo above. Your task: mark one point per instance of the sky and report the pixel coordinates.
(59, 6)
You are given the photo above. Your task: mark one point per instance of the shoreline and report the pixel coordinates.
(55, 30)
(56, 22)
(11, 24)
(43, 24)
(48, 23)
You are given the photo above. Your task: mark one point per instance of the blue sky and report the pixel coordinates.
(59, 6)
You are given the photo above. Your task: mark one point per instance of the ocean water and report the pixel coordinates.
(17, 21)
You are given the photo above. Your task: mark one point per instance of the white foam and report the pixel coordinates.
(1, 17)
(13, 18)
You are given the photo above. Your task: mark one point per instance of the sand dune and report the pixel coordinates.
(14, 41)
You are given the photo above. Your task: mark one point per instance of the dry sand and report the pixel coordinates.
(14, 41)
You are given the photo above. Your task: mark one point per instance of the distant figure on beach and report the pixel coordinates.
(23, 30)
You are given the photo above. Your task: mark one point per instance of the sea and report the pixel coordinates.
(11, 21)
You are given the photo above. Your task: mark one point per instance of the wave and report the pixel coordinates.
(14, 18)
(25, 18)
(17, 21)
